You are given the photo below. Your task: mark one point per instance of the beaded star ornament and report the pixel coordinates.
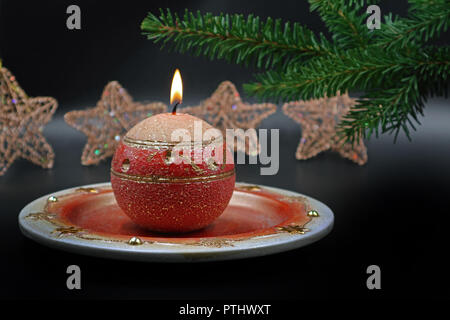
(226, 110)
(319, 120)
(22, 120)
(106, 124)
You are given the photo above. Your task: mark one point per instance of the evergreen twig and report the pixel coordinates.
(235, 38)
(395, 66)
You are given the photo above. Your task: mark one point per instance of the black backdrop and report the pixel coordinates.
(73, 66)
(391, 212)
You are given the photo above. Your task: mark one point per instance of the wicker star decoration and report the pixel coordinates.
(21, 122)
(105, 124)
(319, 119)
(225, 110)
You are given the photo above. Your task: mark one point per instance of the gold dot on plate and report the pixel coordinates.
(313, 213)
(125, 165)
(52, 199)
(135, 241)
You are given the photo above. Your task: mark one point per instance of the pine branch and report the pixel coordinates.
(393, 65)
(399, 81)
(428, 19)
(235, 38)
(345, 21)
(385, 111)
(359, 69)
(391, 110)
(354, 69)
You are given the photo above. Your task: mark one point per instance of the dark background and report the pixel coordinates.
(391, 212)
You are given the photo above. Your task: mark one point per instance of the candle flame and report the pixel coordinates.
(176, 91)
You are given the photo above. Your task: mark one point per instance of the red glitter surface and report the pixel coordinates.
(169, 206)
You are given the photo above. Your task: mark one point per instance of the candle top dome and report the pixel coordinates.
(161, 126)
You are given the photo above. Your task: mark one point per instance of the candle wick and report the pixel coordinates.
(174, 110)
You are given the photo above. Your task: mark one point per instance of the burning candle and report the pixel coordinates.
(176, 91)
(172, 172)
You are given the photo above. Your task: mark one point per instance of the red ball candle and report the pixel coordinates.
(165, 193)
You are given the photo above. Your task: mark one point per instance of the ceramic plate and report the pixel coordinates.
(259, 220)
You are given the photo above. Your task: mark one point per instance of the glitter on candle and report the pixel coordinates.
(146, 157)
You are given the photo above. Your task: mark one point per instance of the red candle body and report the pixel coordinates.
(159, 194)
